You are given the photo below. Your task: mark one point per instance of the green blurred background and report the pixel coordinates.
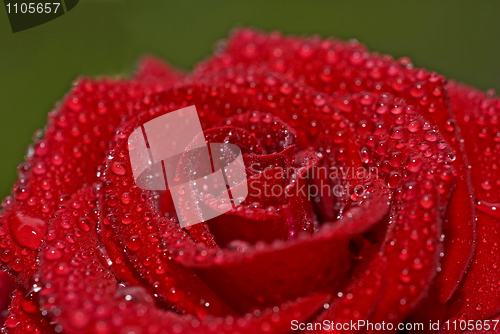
(457, 38)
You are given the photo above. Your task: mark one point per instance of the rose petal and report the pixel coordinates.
(358, 300)
(333, 66)
(138, 235)
(176, 99)
(24, 315)
(274, 134)
(268, 213)
(446, 181)
(66, 158)
(477, 116)
(430, 311)
(156, 76)
(410, 251)
(6, 288)
(82, 296)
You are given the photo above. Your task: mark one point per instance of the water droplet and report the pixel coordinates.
(381, 147)
(134, 243)
(418, 90)
(41, 148)
(78, 318)
(127, 218)
(364, 155)
(118, 168)
(12, 321)
(397, 132)
(415, 164)
(431, 136)
(22, 193)
(286, 89)
(83, 224)
(249, 51)
(238, 245)
(74, 104)
(125, 198)
(26, 230)
(486, 185)
(426, 201)
(57, 159)
(397, 110)
(306, 51)
(17, 265)
(319, 101)
(405, 276)
(29, 302)
(413, 126)
(53, 254)
(449, 126)
(367, 100)
(395, 159)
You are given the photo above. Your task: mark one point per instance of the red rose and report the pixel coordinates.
(411, 237)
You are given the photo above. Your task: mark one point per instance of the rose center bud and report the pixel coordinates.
(275, 225)
(270, 202)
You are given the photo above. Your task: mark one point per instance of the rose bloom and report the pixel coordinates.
(91, 252)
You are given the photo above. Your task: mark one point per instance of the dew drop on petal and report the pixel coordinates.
(118, 168)
(26, 230)
(127, 219)
(53, 254)
(426, 201)
(415, 164)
